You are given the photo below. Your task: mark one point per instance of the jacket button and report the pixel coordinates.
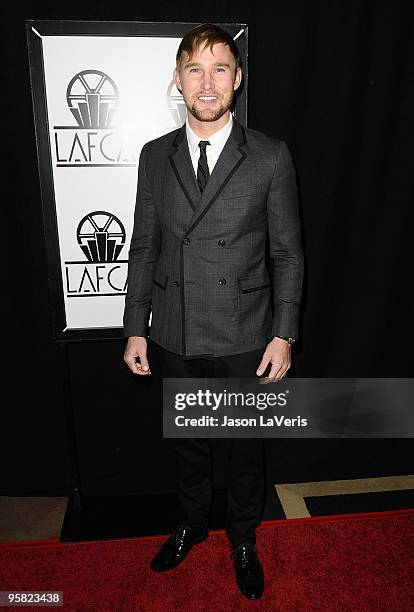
(221, 242)
(176, 283)
(186, 241)
(222, 281)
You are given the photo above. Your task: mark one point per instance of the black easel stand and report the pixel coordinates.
(75, 498)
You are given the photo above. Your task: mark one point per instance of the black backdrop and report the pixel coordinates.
(332, 79)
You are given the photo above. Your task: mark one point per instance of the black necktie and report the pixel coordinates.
(203, 173)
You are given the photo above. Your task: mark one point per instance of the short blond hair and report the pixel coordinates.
(203, 35)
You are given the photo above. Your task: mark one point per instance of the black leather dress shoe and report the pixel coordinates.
(249, 571)
(176, 548)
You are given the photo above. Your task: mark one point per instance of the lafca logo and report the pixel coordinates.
(93, 99)
(101, 237)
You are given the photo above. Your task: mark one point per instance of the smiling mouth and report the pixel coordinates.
(207, 99)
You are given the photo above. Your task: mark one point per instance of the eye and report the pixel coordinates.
(194, 69)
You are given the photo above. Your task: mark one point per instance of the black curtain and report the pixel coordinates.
(334, 80)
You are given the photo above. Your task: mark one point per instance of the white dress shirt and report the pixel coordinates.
(213, 150)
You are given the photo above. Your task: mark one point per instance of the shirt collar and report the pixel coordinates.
(220, 136)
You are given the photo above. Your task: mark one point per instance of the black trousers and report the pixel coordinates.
(245, 456)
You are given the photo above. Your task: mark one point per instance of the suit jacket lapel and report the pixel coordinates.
(231, 157)
(182, 166)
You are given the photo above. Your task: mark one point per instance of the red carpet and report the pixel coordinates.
(350, 563)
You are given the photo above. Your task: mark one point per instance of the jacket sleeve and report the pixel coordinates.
(143, 256)
(285, 246)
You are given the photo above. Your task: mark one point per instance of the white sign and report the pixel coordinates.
(106, 97)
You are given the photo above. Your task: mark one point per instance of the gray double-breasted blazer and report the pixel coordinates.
(198, 260)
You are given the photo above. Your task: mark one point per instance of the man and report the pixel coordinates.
(209, 194)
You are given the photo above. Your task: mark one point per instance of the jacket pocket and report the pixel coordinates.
(252, 283)
(160, 280)
(240, 195)
(254, 308)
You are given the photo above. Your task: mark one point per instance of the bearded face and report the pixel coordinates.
(208, 81)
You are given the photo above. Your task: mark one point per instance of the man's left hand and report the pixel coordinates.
(278, 353)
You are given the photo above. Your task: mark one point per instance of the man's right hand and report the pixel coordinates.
(137, 347)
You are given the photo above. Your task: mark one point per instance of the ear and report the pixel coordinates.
(238, 78)
(176, 77)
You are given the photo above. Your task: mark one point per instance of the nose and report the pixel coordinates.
(207, 80)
